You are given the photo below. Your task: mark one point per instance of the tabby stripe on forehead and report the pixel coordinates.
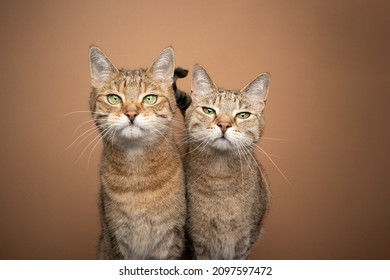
(139, 80)
(216, 100)
(121, 85)
(239, 103)
(141, 85)
(127, 79)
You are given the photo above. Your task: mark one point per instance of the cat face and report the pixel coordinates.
(132, 107)
(225, 119)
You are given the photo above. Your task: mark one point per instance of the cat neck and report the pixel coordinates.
(222, 166)
(196, 149)
(139, 149)
(125, 169)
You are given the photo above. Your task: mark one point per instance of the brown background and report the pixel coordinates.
(328, 108)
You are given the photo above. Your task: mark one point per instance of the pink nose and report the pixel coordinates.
(132, 115)
(224, 126)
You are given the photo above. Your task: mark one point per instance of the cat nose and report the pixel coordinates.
(224, 126)
(131, 115)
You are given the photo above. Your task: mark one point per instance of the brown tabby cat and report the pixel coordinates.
(227, 193)
(142, 195)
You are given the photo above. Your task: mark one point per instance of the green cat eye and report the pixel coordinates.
(114, 99)
(208, 111)
(243, 115)
(150, 99)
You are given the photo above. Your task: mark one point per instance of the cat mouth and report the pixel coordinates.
(223, 136)
(222, 139)
(132, 131)
(131, 125)
(221, 143)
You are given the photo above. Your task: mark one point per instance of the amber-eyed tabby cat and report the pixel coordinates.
(142, 195)
(228, 194)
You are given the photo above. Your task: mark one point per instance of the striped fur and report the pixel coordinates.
(142, 195)
(227, 192)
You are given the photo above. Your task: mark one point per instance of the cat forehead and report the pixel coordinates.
(223, 96)
(128, 78)
(133, 82)
(228, 100)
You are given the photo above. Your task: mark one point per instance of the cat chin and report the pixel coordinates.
(132, 132)
(133, 139)
(222, 144)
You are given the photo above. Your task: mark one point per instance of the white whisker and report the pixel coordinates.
(107, 131)
(75, 112)
(84, 123)
(159, 132)
(89, 132)
(242, 173)
(93, 140)
(269, 158)
(270, 138)
(280, 171)
(261, 171)
(202, 144)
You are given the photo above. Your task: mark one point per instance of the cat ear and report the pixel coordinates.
(201, 82)
(100, 66)
(258, 89)
(163, 68)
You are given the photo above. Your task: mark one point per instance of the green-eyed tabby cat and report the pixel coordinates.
(142, 195)
(227, 193)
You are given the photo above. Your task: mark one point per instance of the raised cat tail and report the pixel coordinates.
(183, 100)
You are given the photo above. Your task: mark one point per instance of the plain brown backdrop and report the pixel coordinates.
(327, 109)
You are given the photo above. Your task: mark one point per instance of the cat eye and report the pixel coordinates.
(150, 99)
(114, 99)
(208, 111)
(243, 115)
